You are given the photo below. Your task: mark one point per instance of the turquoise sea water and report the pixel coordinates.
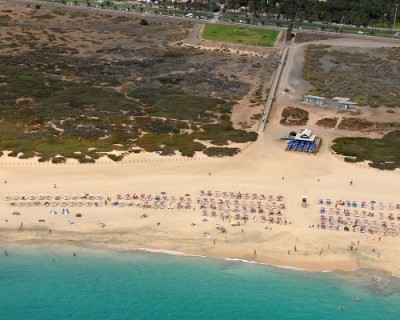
(139, 285)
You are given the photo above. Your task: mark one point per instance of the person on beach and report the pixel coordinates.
(55, 186)
(21, 226)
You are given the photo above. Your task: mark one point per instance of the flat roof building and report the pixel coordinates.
(343, 103)
(314, 100)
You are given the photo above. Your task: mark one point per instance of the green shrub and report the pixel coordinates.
(221, 152)
(382, 153)
(115, 157)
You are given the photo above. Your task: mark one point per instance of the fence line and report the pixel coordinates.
(162, 159)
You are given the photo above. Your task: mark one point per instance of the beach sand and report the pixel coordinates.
(263, 167)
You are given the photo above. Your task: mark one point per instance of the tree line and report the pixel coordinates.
(375, 13)
(355, 12)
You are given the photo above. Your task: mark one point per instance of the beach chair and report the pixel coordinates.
(363, 214)
(363, 204)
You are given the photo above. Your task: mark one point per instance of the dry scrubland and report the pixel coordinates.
(369, 76)
(80, 85)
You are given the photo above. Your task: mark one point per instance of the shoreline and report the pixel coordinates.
(185, 230)
(35, 237)
(377, 281)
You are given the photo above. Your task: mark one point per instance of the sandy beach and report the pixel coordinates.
(263, 168)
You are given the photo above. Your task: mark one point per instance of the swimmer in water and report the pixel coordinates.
(340, 308)
(356, 299)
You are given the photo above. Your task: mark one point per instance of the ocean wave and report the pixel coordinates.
(159, 251)
(265, 264)
(243, 260)
(290, 268)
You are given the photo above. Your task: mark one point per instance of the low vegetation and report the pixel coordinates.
(382, 153)
(355, 124)
(293, 116)
(241, 35)
(327, 122)
(360, 124)
(368, 76)
(69, 90)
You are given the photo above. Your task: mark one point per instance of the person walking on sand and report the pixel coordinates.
(55, 186)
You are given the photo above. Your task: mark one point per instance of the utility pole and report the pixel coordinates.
(394, 20)
(341, 24)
